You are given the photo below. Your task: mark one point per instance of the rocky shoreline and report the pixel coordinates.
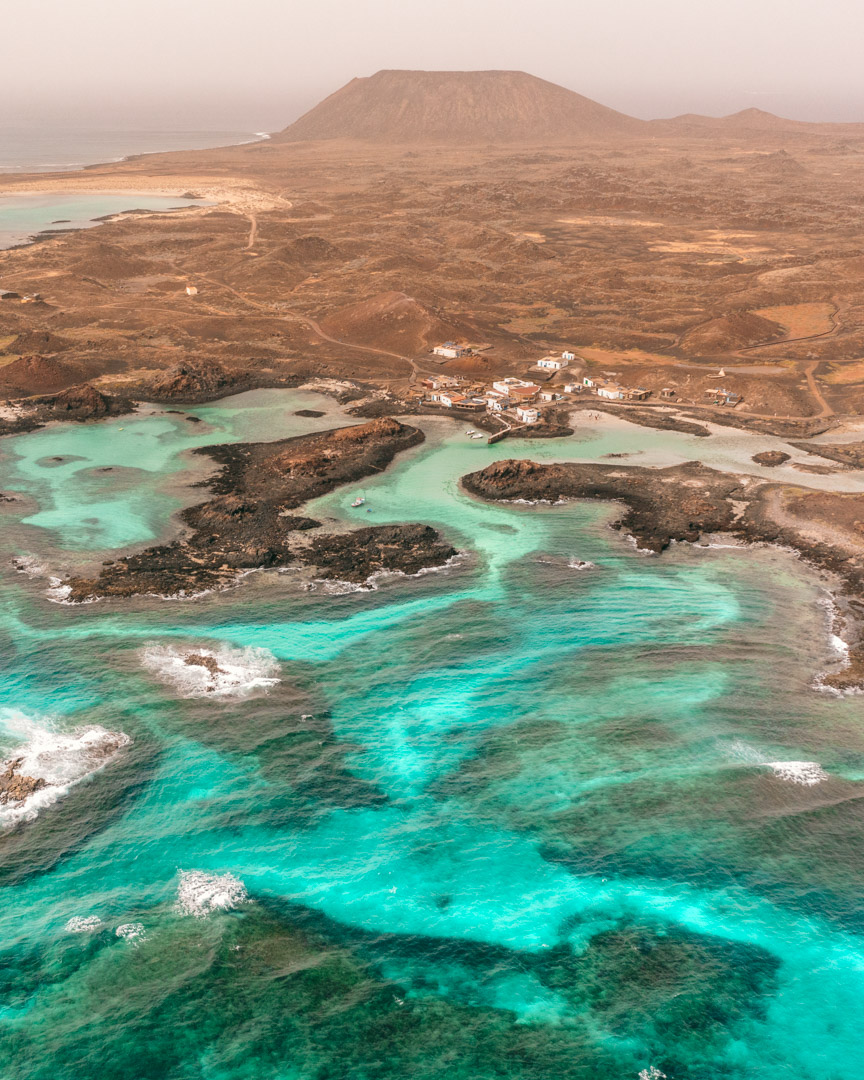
(685, 502)
(248, 524)
(78, 403)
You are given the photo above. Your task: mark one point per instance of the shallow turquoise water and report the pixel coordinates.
(23, 216)
(510, 819)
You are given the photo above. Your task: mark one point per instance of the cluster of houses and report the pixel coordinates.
(519, 400)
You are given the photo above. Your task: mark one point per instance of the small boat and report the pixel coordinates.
(358, 501)
(471, 432)
(478, 435)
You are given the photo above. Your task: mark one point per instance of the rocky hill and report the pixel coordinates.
(458, 107)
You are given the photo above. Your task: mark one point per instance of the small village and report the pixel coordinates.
(521, 402)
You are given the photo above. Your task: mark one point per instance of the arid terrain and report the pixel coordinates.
(657, 251)
(716, 265)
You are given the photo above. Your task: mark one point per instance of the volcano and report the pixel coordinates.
(459, 107)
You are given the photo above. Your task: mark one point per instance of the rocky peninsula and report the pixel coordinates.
(685, 502)
(249, 522)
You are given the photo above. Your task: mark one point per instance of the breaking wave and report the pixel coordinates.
(807, 773)
(219, 672)
(581, 564)
(131, 931)
(49, 762)
(83, 924)
(199, 893)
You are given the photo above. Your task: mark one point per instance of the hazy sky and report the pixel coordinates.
(257, 64)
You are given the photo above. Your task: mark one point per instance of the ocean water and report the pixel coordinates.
(40, 149)
(558, 810)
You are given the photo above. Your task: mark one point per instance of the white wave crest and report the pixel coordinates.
(581, 564)
(60, 759)
(131, 931)
(335, 587)
(219, 672)
(199, 893)
(83, 924)
(807, 773)
(28, 565)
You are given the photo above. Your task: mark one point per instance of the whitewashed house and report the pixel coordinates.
(552, 363)
(568, 356)
(449, 350)
(527, 415)
(612, 393)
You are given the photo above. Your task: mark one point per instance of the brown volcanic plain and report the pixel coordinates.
(652, 249)
(495, 209)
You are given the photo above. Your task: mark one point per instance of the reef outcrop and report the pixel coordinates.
(15, 788)
(248, 523)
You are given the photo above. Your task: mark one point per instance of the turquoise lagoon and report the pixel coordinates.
(558, 810)
(23, 216)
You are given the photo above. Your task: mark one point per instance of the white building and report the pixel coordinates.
(549, 395)
(572, 387)
(527, 415)
(504, 386)
(496, 402)
(568, 356)
(449, 350)
(612, 393)
(589, 382)
(450, 399)
(552, 363)
(191, 290)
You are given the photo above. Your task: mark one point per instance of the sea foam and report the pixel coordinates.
(83, 924)
(131, 931)
(200, 893)
(60, 758)
(219, 672)
(807, 773)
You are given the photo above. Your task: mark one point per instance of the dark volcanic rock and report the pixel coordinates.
(849, 454)
(771, 458)
(202, 660)
(356, 555)
(246, 525)
(662, 505)
(309, 412)
(190, 380)
(82, 402)
(15, 788)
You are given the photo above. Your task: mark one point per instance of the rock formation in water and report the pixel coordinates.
(15, 788)
(248, 525)
(684, 502)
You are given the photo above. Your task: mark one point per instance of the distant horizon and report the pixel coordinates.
(49, 119)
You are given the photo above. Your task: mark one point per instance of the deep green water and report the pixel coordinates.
(512, 819)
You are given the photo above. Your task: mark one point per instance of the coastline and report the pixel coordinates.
(683, 504)
(248, 524)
